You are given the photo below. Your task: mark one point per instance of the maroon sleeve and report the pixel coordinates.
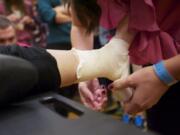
(158, 31)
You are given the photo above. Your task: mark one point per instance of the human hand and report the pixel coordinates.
(57, 9)
(26, 20)
(147, 90)
(61, 9)
(92, 94)
(13, 17)
(62, 14)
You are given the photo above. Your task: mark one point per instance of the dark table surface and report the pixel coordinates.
(41, 116)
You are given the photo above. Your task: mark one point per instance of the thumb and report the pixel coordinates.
(120, 84)
(121, 89)
(95, 84)
(85, 92)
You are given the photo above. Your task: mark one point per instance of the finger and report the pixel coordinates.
(86, 93)
(94, 104)
(100, 103)
(132, 108)
(103, 86)
(90, 104)
(95, 84)
(127, 94)
(98, 106)
(100, 94)
(105, 99)
(120, 84)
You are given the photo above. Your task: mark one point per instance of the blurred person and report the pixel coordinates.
(17, 12)
(23, 13)
(57, 16)
(151, 36)
(8, 35)
(39, 29)
(7, 32)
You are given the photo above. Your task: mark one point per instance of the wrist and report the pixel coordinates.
(173, 66)
(163, 74)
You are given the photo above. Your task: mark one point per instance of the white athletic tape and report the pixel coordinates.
(111, 61)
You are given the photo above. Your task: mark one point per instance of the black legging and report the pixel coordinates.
(17, 77)
(19, 81)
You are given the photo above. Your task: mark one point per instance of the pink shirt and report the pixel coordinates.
(2, 10)
(157, 23)
(23, 44)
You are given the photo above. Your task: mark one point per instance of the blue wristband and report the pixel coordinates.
(163, 74)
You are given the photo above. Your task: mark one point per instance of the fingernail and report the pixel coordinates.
(103, 86)
(103, 92)
(110, 86)
(98, 95)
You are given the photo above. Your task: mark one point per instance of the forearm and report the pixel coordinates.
(62, 14)
(62, 18)
(80, 39)
(173, 66)
(123, 32)
(46, 11)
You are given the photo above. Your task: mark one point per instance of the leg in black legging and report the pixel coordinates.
(17, 77)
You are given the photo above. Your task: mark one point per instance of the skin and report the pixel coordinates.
(148, 88)
(83, 41)
(8, 36)
(94, 99)
(62, 14)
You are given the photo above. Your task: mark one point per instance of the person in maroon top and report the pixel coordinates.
(154, 25)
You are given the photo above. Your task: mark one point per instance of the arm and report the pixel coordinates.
(46, 11)
(49, 14)
(147, 90)
(79, 38)
(62, 14)
(173, 66)
(123, 32)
